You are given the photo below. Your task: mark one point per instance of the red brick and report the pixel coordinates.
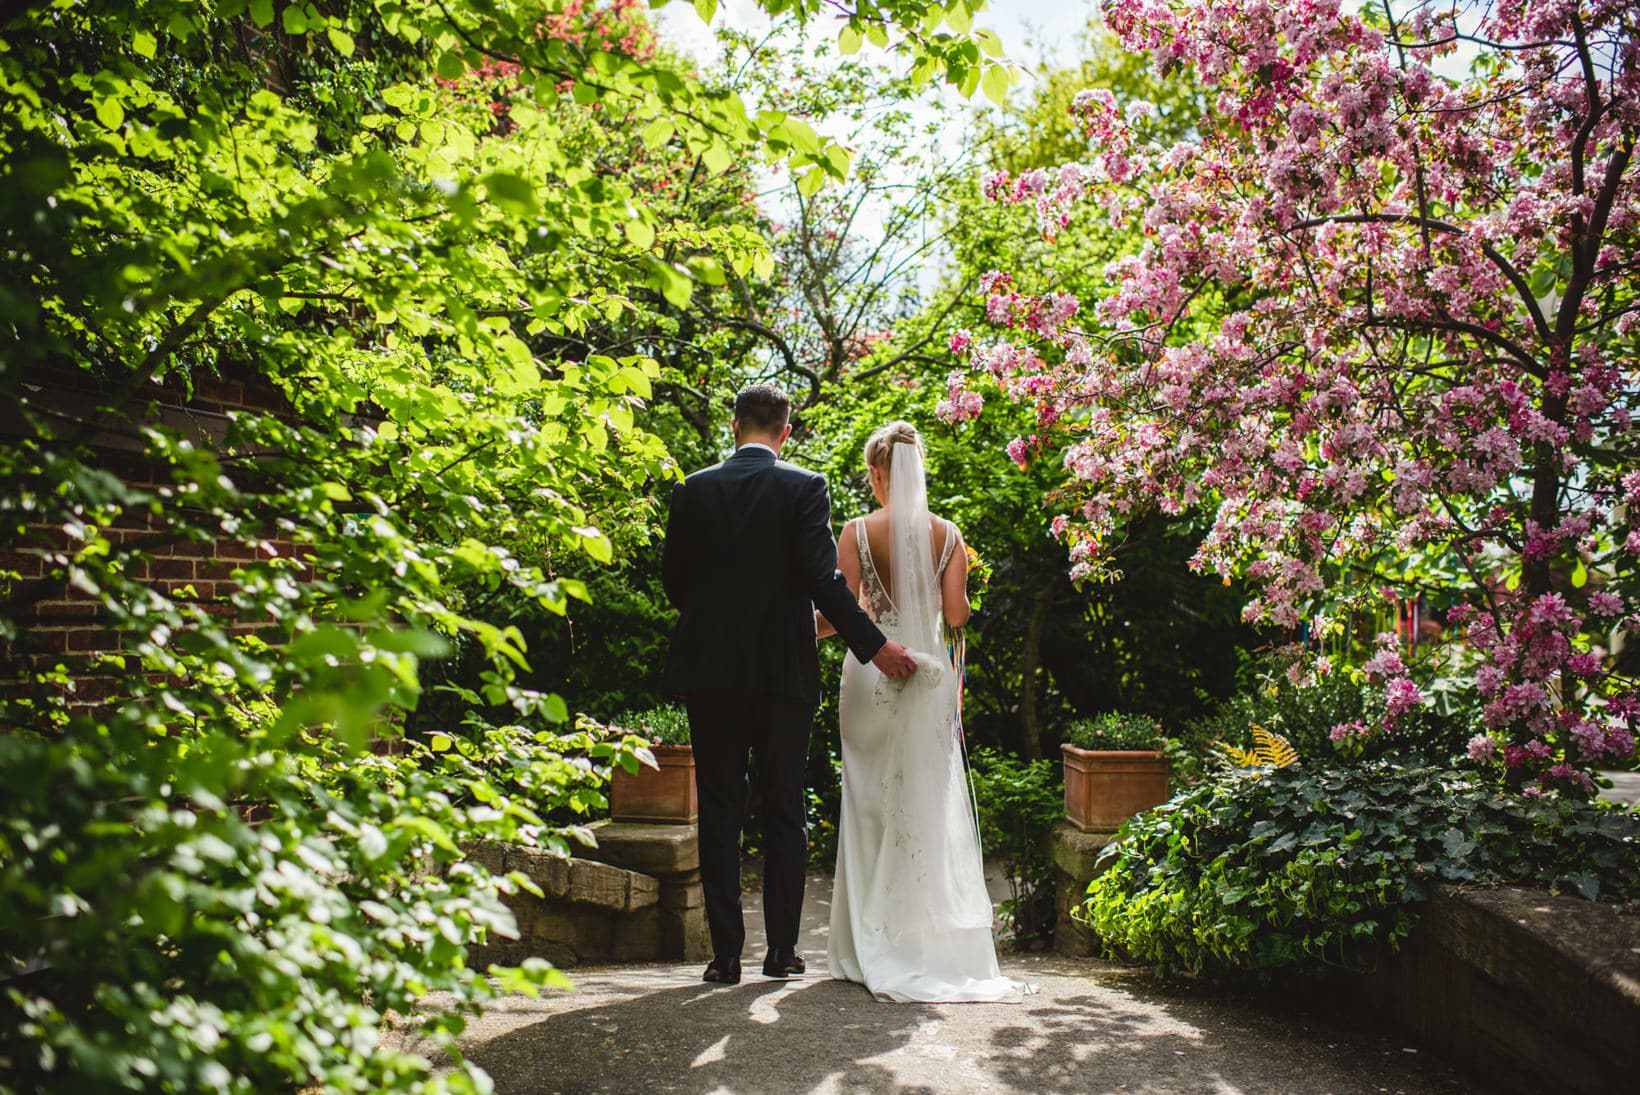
(93, 640)
(228, 392)
(93, 690)
(25, 564)
(215, 592)
(234, 550)
(171, 569)
(68, 610)
(215, 571)
(47, 639)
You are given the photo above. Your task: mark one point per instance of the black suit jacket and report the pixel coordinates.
(748, 557)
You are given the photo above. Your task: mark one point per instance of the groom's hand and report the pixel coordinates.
(895, 661)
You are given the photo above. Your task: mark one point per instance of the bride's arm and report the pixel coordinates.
(954, 584)
(848, 562)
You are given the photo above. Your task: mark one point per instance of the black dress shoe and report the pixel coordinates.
(784, 963)
(722, 971)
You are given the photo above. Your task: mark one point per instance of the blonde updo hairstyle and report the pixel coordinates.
(880, 445)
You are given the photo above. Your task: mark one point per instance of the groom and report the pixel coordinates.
(749, 556)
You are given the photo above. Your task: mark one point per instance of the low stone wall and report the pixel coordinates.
(636, 897)
(1530, 992)
(1074, 853)
(670, 854)
(1534, 993)
(589, 912)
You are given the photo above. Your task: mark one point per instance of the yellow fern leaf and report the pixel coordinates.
(1272, 748)
(1241, 758)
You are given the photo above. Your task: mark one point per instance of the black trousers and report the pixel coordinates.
(727, 732)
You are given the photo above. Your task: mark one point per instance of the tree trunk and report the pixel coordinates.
(1032, 665)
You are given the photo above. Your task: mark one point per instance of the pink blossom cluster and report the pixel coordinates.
(1429, 352)
(1054, 194)
(962, 404)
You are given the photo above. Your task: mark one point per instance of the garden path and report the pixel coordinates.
(1625, 787)
(1093, 1027)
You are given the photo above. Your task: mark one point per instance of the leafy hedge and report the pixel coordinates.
(1306, 714)
(1018, 802)
(1306, 867)
(208, 913)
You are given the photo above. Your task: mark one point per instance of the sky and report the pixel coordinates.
(1031, 30)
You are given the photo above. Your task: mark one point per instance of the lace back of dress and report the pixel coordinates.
(873, 595)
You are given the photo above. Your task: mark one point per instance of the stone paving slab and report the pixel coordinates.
(1093, 1027)
(1625, 788)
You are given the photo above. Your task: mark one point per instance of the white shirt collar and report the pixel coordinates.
(759, 445)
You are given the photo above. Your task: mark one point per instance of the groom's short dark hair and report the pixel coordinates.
(762, 408)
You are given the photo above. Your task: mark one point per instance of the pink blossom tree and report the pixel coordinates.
(1385, 320)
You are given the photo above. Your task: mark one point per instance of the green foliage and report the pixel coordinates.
(1018, 802)
(1306, 711)
(667, 724)
(1163, 640)
(1186, 760)
(1115, 730)
(1042, 130)
(1308, 867)
(210, 911)
(409, 228)
(825, 797)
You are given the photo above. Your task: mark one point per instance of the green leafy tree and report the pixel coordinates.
(222, 875)
(1162, 640)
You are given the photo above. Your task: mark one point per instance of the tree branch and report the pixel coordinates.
(1504, 265)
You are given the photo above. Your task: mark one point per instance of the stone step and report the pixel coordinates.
(650, 848)
(574, 881)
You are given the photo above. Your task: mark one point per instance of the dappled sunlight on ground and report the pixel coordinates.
(1094, 1026)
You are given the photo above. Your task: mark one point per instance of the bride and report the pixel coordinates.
(910, 918)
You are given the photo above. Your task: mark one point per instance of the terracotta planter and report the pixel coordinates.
(1105, 788)
(666, 795)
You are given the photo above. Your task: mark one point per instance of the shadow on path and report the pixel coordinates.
(1092, 1031)
(762, 1036)
(1094, 1027)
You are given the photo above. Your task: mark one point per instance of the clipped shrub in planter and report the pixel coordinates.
(1114, 768)
(1307, 867)
(665, 792)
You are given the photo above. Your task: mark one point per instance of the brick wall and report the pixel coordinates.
(63, 625)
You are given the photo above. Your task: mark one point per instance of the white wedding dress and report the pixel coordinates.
(910, 917)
